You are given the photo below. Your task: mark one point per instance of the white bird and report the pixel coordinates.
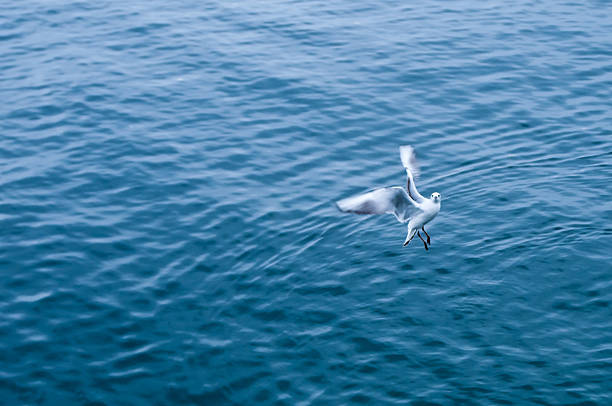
(408, 205)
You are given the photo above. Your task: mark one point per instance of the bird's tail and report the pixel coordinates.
(409, 236)
(409, 159)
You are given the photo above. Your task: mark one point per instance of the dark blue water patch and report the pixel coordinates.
(169, 234)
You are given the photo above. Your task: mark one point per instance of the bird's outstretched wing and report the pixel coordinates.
(409, 160)
(412, 171)
(393, 200)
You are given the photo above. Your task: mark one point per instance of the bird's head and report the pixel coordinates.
(436, 197)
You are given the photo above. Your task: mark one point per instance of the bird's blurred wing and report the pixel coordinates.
(409, 160)
(412, 170)
(393, 200)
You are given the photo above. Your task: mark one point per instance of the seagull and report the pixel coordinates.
(407, 205)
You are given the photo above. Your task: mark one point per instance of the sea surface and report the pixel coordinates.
(168, 173)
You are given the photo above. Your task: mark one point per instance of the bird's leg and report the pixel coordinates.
(428, 239)
(424, 243)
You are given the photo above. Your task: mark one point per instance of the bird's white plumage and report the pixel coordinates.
(406, 205)
(412, 169)
(409, 160)
(392, 200)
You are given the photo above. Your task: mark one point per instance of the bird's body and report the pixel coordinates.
(407, 205)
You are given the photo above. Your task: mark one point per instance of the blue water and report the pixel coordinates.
(167, 226)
